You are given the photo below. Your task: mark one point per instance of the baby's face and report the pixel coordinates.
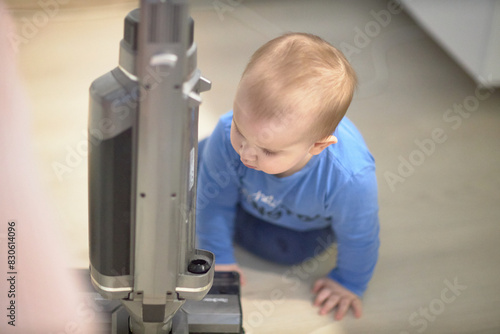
(275, 146)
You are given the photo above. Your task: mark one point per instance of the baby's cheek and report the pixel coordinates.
(273, 166)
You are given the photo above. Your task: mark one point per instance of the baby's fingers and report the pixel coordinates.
(342, 308)
(357, 308)
(329, 304)
(322, 296)
(320, 283)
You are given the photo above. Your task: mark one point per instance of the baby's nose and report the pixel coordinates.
(248, 152)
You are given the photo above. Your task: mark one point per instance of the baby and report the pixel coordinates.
(285, 174)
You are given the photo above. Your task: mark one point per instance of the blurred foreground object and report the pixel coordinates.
(39, 294)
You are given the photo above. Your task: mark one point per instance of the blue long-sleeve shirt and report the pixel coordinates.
(336, 188)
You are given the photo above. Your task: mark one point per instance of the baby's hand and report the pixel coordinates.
(232, 267)
(330, 294)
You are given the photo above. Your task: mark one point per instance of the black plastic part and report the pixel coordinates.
(225, 283)
(228, 283)
(198, 266)
(110, 174)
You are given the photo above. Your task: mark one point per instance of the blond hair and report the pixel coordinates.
(301, 71)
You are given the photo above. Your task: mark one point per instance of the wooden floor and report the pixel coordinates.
(438, 170)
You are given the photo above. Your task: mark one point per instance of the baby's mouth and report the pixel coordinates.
(249, 166)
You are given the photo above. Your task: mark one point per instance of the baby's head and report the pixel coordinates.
(296, 85)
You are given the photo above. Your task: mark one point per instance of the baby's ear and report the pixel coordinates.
(320, 145)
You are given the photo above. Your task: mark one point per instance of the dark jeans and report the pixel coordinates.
(279, 244)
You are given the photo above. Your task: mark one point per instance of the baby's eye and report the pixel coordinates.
(233, 126)
(236, 130)
(268, 153)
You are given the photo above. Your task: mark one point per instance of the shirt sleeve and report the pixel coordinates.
(356, 227)
(218, 190)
